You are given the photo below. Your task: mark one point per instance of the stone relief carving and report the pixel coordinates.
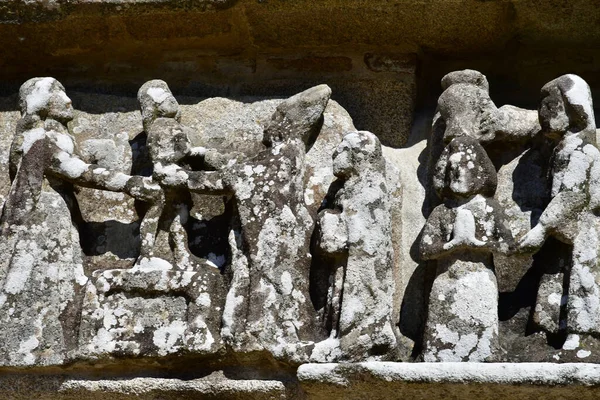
(567, 119)
(462, 234)
(268, 306)
(41, 275)
(354, 242)
(306, 213)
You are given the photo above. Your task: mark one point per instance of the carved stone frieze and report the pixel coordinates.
(275, 230)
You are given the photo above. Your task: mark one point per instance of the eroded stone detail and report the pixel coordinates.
(567, 119)
(354, 246)
(462, 234)
(41, 272)
(276, 231)
(267, 306)
(170, 301)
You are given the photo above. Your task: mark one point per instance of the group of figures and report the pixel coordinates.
(475, 224)
(300, 284)
(171, 301)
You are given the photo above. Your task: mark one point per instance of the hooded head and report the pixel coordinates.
(157, 101)
(298, 117)
(466, 107)
(566, 108)
(357, 152)
(46, 99)
(464, 170)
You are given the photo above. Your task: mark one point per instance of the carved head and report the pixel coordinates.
(468, 110)
(566, 107)
(157, 101)
(298, 117)
(358, 151)
(468, 76)
(45, 98)
(464, 170)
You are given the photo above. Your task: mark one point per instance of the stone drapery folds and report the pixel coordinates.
(281, 240)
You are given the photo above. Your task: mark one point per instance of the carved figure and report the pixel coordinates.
(171, 301)
(466, 108)
(267, 305)
(163, 227)
(41, 272)
(462, 234)
(354, 235)
(567, 118)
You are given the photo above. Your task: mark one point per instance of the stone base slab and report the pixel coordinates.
(371, 380)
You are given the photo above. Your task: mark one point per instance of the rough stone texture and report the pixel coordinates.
(42, 272)
(566, 116)
(118, 319)
(246, 46)
(462, 234)
(141, 312)
(354, 278)
(455, 380)
(267, 306)
(546, 180)
(214, 386)
(113, 269)
(377, 380)
(257, 236)
(466, 108)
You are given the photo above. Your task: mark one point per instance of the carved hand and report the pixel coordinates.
(533, 240)
(464, 231)
(144, 189)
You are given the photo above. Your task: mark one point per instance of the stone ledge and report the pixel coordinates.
(455, 380)
(372, 380)
(17, 387)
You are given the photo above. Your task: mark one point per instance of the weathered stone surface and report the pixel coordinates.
(207, 249)
(467, 109)
(256, 236)
(567, 118)
(462, 234)
(42, 273)
(213, 386)
(355, 266)
(382, 380)
(267, 306)
(141, 312)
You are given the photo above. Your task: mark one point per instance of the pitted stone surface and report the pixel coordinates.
(356, 257)
(274, 233)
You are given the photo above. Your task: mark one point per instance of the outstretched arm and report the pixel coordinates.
(207, 182)
(563, 208)
(572, 198)
(72, 169)
(203, 182)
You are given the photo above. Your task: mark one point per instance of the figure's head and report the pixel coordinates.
(157, 101)
(469, 76)
(357, 152)
(466, 107)
(45, 98)
(464, 170)
(566, 107)
(298, 117)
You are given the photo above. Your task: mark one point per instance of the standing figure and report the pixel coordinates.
(567, 118)
(41, 271)
(355, 236)
(163, 233)
(267, 306)
(462, 234)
